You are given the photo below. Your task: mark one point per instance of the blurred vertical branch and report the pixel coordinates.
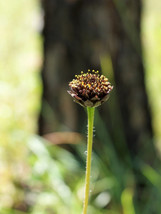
(126, 53)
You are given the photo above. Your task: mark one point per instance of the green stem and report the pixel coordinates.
(90, 112)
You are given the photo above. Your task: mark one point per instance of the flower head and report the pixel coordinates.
(90, 89)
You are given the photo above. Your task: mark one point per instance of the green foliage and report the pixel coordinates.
(39, 178)
(151, 36)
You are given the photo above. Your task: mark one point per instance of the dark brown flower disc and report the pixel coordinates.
(90, 89)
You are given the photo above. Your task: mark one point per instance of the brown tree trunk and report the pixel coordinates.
(75, 34)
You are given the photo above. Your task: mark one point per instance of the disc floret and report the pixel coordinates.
(90, 89)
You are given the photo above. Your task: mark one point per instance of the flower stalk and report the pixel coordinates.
(90, 113)
(89, 90)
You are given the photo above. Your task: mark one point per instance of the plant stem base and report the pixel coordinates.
(90, 112)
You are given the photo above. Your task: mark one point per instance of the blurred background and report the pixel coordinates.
(43, 132)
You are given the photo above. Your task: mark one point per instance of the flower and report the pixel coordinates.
(90, 89)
